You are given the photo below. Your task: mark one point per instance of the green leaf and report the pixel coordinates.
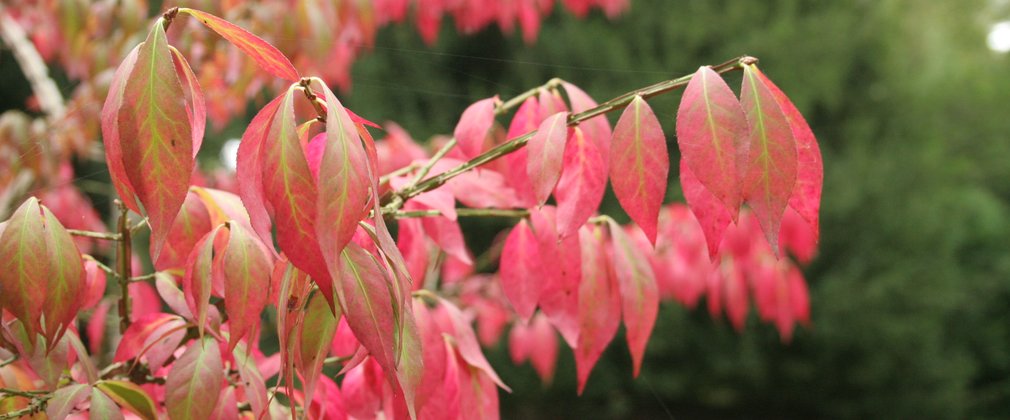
(131, 397)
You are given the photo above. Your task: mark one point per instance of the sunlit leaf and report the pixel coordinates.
(268, 57)
(474, 124)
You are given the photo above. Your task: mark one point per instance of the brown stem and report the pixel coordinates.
(169, 16)
(124, 259)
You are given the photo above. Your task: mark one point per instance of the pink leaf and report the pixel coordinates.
(545, 155)
(596, 129)
(770, 165)
(639, 294)
(599, 304)
(710, 122)
(456, 325)
(197, 106)
(343, 184)
(194, 384)
(110, 131)
(639, 165)
(248, 173)
(521, 273)
(246, 268)
(561, 261)
(474, 124)
(580, 190)
(711, 213)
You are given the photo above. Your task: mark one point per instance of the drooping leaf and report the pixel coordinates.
(806, 198)
(290, 190)
(315, 336)
(102, 407)
(770, 166)
(129, 396)
(196, 284)
(410, 363)
(248, 172)
(246, 267)
(455, 324)
(639, 294)
(545, 155)
(253, 386)
(580, 190)
(194, 383)
(110, 131)
(368, 304)
(710, 123)
(66, 281)
(711, 213)
(473, 126)
(524, 121)
(65, 399)
(197, 109)
(268, 57)
(639, 165)
(560, 260)
(521, 274)
(343, 183)
(156, 138)
(25, 265)
(599, 304)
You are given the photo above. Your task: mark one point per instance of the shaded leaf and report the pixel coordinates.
(580, 190)
(110, 131)
(599, 304)
(246, 267)
(521, 274)
(103, 407)
(639, 293)
(711, 213)
(248, 172)
(65, 399)
(24, 265)
(129, 396)
(315, 336)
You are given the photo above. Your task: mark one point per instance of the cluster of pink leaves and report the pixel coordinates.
(343, 288)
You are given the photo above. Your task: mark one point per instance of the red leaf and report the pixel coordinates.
(110, 131)
(521, 273)
(246, 268)
(546, 155)
(25, 266)
(580, 190)
(197, 109)
(525, 120)
(599, 304)
(194, 384)
(639, 294)
(153, 338)
(248, 172)
(806, 198)
(711, 213)
(446, 234)
(770, 165)
(710, 122)
(158, 146)
(268, 57)
(476, 121)
(290, 190)
(65, 399)
(560, 259)
(343, 183)
(639, 165)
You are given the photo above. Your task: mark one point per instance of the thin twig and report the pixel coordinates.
(463, 212)
(125, 262)
(108, 270)
(13, 359)
(510, 146)
(108, 236)
(37, 405)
